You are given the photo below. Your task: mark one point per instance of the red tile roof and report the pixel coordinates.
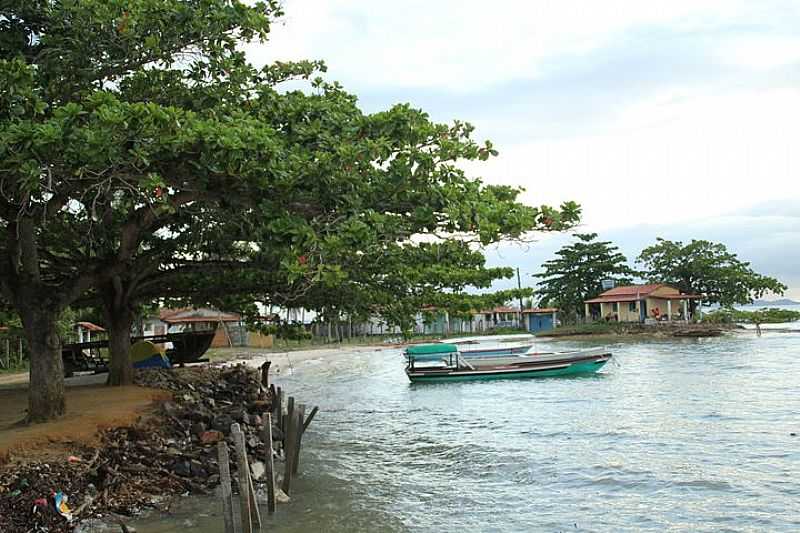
(632, 290)
(543, 310)
(89, 326)
(632, 293)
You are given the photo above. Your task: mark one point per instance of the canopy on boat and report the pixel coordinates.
(430, 352)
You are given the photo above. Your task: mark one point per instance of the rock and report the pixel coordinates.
(277, 434)
(257, 422)
(222, 423)
(280, 496)
(253, 443)
(258, 469)
(211, 437)
(198, 428)
(182, 469)
(197, 469)
(244, 418)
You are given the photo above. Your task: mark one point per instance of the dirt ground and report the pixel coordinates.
(89, 408)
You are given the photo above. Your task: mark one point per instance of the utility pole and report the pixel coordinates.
(519, 286)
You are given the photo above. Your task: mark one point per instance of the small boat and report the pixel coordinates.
(443, 362)
(497, 351)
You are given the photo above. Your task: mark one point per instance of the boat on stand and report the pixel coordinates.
(438, 363)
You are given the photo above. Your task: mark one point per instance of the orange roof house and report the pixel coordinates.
(637, 303)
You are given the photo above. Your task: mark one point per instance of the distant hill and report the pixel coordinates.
(782, 301)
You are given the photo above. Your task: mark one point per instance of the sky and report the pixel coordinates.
(675, 119)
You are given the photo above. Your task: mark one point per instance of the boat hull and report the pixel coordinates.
(524, 371)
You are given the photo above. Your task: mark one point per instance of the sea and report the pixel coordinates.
(672, 435)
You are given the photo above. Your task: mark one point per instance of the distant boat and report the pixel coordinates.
(437, 363)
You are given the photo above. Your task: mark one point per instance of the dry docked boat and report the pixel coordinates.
(443, 362)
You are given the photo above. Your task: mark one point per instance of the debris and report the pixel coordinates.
(162, 455)
(60, 503)
(211, 437)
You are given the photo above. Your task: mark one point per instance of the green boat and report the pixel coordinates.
(438, 363)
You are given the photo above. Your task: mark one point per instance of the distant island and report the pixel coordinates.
(782, 301)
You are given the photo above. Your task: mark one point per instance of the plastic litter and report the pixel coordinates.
(60, 501)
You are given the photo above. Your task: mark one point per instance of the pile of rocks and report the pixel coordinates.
(172, 452)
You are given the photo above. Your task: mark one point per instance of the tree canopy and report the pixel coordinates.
(142, 156)
(576, 273)
(706, 268)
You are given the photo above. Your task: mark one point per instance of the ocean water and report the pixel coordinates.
(689, 435)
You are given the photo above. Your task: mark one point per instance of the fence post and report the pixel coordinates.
(301, 415)
(289, 443)
(244, 479)
(269, 465)
(223, 460)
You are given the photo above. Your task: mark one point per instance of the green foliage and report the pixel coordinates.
(143, 158)
(575, 274)
(766, 315)
(706, 268)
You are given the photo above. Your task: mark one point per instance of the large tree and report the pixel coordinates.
(706, 268)
(576, 273)
(134, 133)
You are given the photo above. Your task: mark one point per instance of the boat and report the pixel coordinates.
(497, 351)
(437, 363)
(187, 347)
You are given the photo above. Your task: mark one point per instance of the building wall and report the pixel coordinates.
(540, 322)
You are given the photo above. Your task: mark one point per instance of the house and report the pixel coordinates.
(639, 303)
(540, 319)
(84, 331)
(499, 317)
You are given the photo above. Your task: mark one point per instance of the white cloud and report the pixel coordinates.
(466, 45)
(761, 52)
(667, 160)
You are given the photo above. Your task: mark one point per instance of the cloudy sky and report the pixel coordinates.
(676, 119)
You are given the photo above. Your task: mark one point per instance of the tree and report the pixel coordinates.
(137, 161)
(706, 268)
(575, 275)
(76, 178)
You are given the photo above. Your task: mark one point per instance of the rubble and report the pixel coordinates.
(170, 453)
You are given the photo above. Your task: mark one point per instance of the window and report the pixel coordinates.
(632, 307)
(615, 307)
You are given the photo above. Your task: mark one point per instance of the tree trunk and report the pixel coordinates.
(46, 389)
(119, 322)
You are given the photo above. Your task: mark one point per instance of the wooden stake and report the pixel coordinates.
(289, 443)
(269, 465)
(244, 479)
(310, 418)
(225, 483)
(301, 415)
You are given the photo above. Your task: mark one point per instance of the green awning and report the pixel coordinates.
(430, 351)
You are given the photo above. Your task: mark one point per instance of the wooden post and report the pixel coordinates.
(289, 443)
(265, 374)
(301, 416)
(310, 418)
(269, 465)
(244, 479)
(20, 351)
(278, 414)
(225, 484)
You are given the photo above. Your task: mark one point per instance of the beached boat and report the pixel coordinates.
(443, 363)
